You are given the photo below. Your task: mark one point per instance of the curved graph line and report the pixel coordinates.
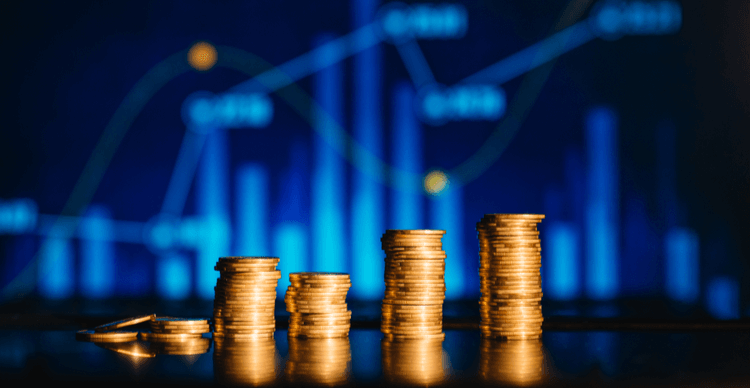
(306, 106)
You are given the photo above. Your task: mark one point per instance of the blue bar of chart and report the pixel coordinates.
(251, 198)
(681, 253)
(406, 146)
(97, 265)
(723, 298)
(55, 277)
(327, 187)
(212, 197)
(602, 215)
(173, 276)
(561, 265)
(291, 245)
(367, 207)
(446, 212)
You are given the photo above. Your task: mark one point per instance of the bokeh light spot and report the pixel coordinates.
(435, 182)
(202, 56)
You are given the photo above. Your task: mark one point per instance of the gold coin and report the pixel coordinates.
(167, 337)
(179, 321)
(249, 258)
(415, 231)
(123, 323)
(181, 331)
(110, 336)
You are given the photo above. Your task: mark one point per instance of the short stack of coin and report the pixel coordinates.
(175, 329)
(247, 362)
(317, 305)
(414, 284)
(245, 297)
(413, 362)
(318, 361)
(510, 281)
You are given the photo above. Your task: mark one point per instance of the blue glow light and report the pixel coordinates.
(327, 213)
(55, 277)
(18, 216)
(173, 280)
(202, 110)
(291, 246)
(463, 102)
(406, 148)
(561, 261)
(367, 202)
(212, 197)
(613, 19)
(722, 298)
(446, 211)
(97, 265)
(251, 196)
(399, 21)
(683, 265)
(602, 216)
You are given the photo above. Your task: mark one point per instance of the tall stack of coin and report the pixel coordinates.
(414, 284)
(511, 284)
(245, 297)
(417, 362)
(318, 361)
(317, 305)
(245, 362)
(518, 363)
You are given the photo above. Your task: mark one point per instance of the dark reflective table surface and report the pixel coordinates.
(593, 358)
(575, 350)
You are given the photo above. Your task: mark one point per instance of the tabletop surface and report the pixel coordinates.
(573, 351)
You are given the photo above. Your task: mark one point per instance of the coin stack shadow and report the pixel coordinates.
(317, 305)
(245, 297)
(414, 284)
(519, 363)
(245, 362)
(511, 285)
(413, 362)
(318, 361)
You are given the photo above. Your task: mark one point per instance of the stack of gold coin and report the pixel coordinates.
(317, 305)
(511, 285)
(245, 297)
(168, 328)
(318, 361)
(519, 363)
(245, 362)
(414, 284)
(417, 362)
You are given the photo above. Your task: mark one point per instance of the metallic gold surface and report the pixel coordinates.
(245, 362)
(518, 363)
(124, 323)
(414, 284)
(317, 305)
(318, 361)
(245, 297)
(413, 362)
(510, 281)
(110, 336)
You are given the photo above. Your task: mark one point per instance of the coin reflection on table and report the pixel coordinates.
(250, 361)
(517, 363)
(133, 348)
(186, 347)
(413, 361)
(318, 361)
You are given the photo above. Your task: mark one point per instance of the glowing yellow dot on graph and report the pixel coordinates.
(435, 182)
(202, 56)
